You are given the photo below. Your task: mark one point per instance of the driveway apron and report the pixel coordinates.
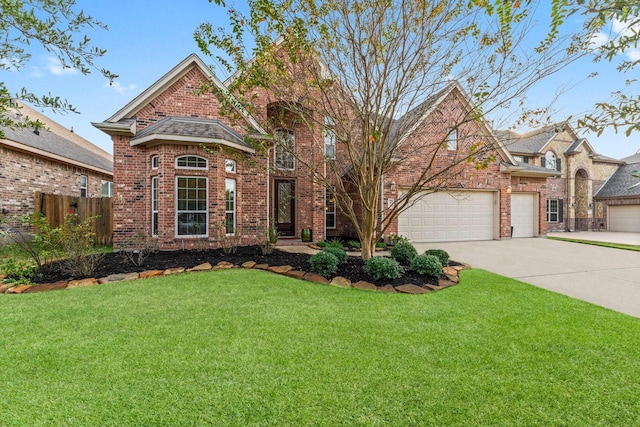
(603, 276)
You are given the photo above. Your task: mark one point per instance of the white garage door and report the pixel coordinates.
(523, 207)
(624, 218)
(449, 216)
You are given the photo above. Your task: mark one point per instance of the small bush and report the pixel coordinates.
(324, 263)
(354, 244)
(443, 256)
(17, 270)
(394, 239)
(427, 264)
(335, 243)
(381, 245)
(338, 252)
(382, 268)
(403, 252)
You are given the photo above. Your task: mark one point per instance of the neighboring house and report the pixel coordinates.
(48, 160)
(579, 173)
(169, 187)
(620, 197)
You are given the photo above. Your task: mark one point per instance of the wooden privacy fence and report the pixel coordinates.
(55, 206)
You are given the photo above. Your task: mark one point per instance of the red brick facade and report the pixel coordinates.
(256, 174)
(22, 174)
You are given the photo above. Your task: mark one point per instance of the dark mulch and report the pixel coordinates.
(115, 263)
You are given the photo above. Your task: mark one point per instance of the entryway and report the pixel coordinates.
(284, 207)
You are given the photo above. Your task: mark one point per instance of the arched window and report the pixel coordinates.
(285, 148)
(549, 160)
(191, 162)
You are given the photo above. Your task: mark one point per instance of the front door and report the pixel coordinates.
(285, 207)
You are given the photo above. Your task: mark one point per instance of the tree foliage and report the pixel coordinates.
(366, 74)
(59, 28)
(613, 26)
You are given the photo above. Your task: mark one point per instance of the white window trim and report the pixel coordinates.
(556, 211)
(327, 194)
(227, 181)
(109, 188)
(155, 206)
(452, 140)
(206, 211)
(547, 164)
(155, 162)
(286, 152)
(205, 167)
(330, 141)
(84, 186)
(228, 163)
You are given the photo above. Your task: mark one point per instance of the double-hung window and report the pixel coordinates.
(154, 206)
(84, 185)
(230, 206)
(191, 202)
(554, 210)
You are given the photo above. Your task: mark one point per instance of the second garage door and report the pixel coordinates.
(624, 218)
(450, 216)
(523, 220)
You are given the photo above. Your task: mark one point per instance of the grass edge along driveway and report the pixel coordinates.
(242, 347)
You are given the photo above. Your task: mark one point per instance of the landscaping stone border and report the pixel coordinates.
(450, 278)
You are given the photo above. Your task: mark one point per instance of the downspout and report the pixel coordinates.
(381, 203)
(567, 205)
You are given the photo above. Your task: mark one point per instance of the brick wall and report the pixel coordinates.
(23, 173)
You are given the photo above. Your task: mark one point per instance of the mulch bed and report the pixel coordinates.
(115, 263)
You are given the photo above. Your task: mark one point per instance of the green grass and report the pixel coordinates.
(242, 347)
(597, 243)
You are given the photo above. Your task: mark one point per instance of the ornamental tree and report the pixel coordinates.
(365, 72)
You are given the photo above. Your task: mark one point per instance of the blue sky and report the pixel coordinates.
(148, 38)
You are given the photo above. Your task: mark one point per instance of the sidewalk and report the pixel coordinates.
(601, 236)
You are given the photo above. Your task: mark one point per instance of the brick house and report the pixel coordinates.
(170, 187)
(579, 174)
(619, 197)
(48, 160)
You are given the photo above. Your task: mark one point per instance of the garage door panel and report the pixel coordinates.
(454, 216)
(625, 218)
(522, 214)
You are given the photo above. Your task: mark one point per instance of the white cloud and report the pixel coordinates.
(633, 54)
(118, 88)
(36, 73)
(598, 39)
(54, 66)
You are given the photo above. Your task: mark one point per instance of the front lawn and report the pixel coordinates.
(246, 347)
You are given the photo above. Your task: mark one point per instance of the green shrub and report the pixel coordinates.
(338, 252)
(335, 243)
(382, 268)
(394, 239)
(403, 252)
(426, 264)
(324, 263)
(354, 244)
(443, 256)
(381, 245)
(17, 270)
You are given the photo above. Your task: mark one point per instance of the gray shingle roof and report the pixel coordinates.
(53, 143)
(635, 158)
(528, 143)
(621, 182)
(191, 127)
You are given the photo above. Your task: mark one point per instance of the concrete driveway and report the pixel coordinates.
(602, 276)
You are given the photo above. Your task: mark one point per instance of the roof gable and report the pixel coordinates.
(161, 85)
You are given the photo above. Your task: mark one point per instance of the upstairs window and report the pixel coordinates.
(452, 140)
(329, 138)
(285, 147)
(230, 166)
(549, 160)
(155, 162)
(191, 162)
